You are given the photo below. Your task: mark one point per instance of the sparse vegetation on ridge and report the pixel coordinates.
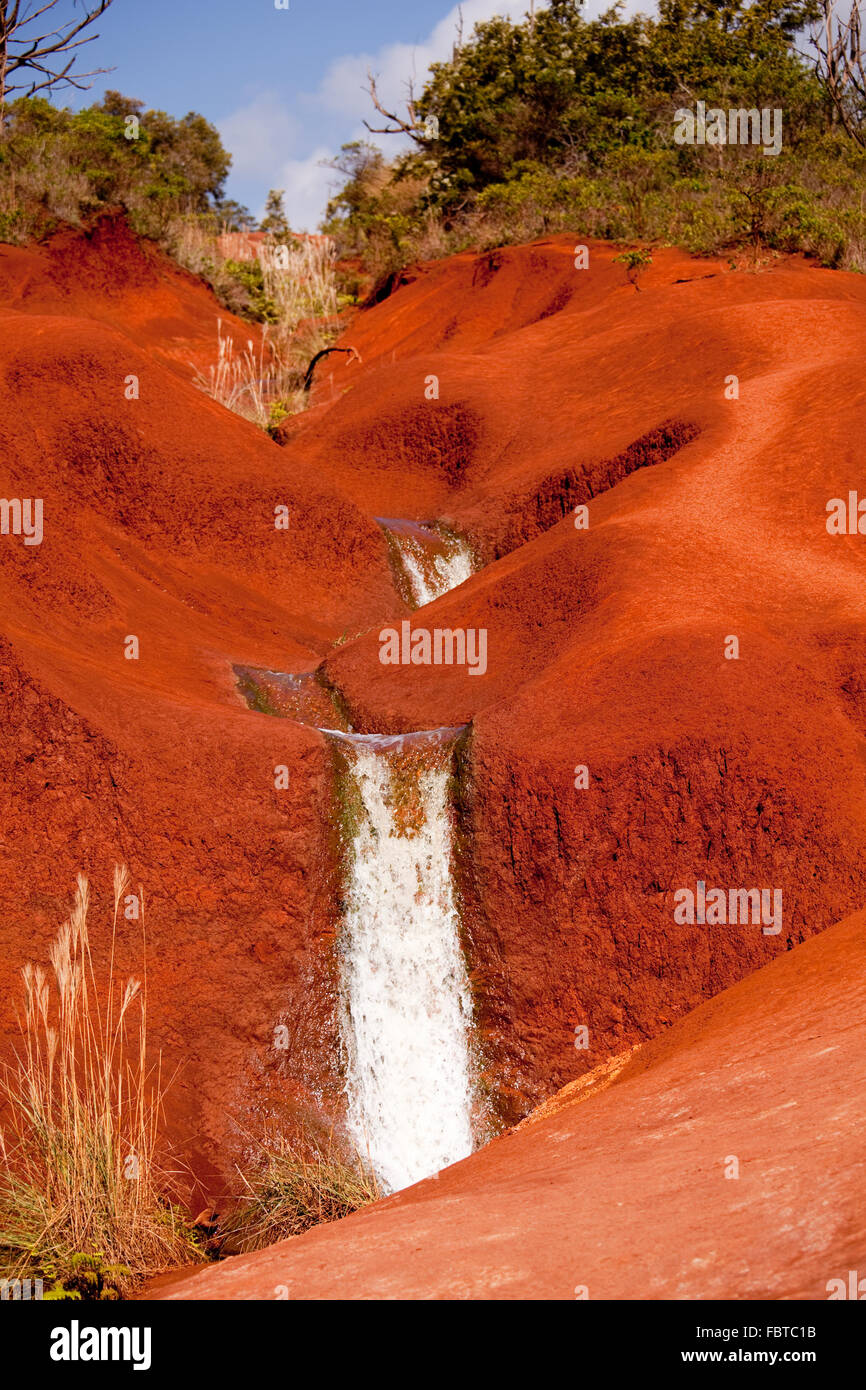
(60, 166)
(296, 283)
(560, 123)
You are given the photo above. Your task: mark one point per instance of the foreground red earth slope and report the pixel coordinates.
(557, 386)
(723, 1161)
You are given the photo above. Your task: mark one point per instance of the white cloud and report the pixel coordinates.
(343, 88)
(259, 135)
(308, 188)
(267, 139)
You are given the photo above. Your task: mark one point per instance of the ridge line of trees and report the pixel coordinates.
(563, 123)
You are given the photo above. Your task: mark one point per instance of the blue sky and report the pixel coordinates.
(285, 88)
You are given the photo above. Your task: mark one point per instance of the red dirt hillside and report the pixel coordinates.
(159, 523)
(110, 275)
(606, 645)
(627, 1192)
(557, 386)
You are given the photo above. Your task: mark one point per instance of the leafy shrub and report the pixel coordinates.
(58, 166)
(566, 124)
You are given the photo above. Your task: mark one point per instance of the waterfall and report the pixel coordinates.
(427, 560)
(405, 993)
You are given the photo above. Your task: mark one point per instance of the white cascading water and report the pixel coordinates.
(433, 560)
(445, 572)
(406, 1000)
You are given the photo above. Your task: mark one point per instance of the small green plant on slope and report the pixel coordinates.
(635, 262)
(84, 1202)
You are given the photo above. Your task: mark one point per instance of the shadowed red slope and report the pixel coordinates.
(109, 274)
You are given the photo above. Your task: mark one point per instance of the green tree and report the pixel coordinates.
(275, 221)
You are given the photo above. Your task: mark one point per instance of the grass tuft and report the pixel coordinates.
(298, 289)
(292, 1191)
(84, 1203)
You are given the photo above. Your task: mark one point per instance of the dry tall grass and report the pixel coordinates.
(299, 281)
(247, 382)
(83, 1199)
(293, 1189)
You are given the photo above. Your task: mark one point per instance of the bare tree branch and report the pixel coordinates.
(354, 356)
(458, 42)
(43, 54)
(411, 127)
(842, 65)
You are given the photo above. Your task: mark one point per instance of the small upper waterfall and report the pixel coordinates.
(427, 560)
(306, 697)
(405, 991)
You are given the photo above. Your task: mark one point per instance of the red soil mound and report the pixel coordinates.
(693, 1174)
(706, 518)
(108, 274)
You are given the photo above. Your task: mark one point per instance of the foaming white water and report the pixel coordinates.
(442, 573)
(406, 1001)
(432, 558)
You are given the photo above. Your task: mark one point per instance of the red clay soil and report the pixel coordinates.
(606, 646)
(724, 1161)
(110, 275)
